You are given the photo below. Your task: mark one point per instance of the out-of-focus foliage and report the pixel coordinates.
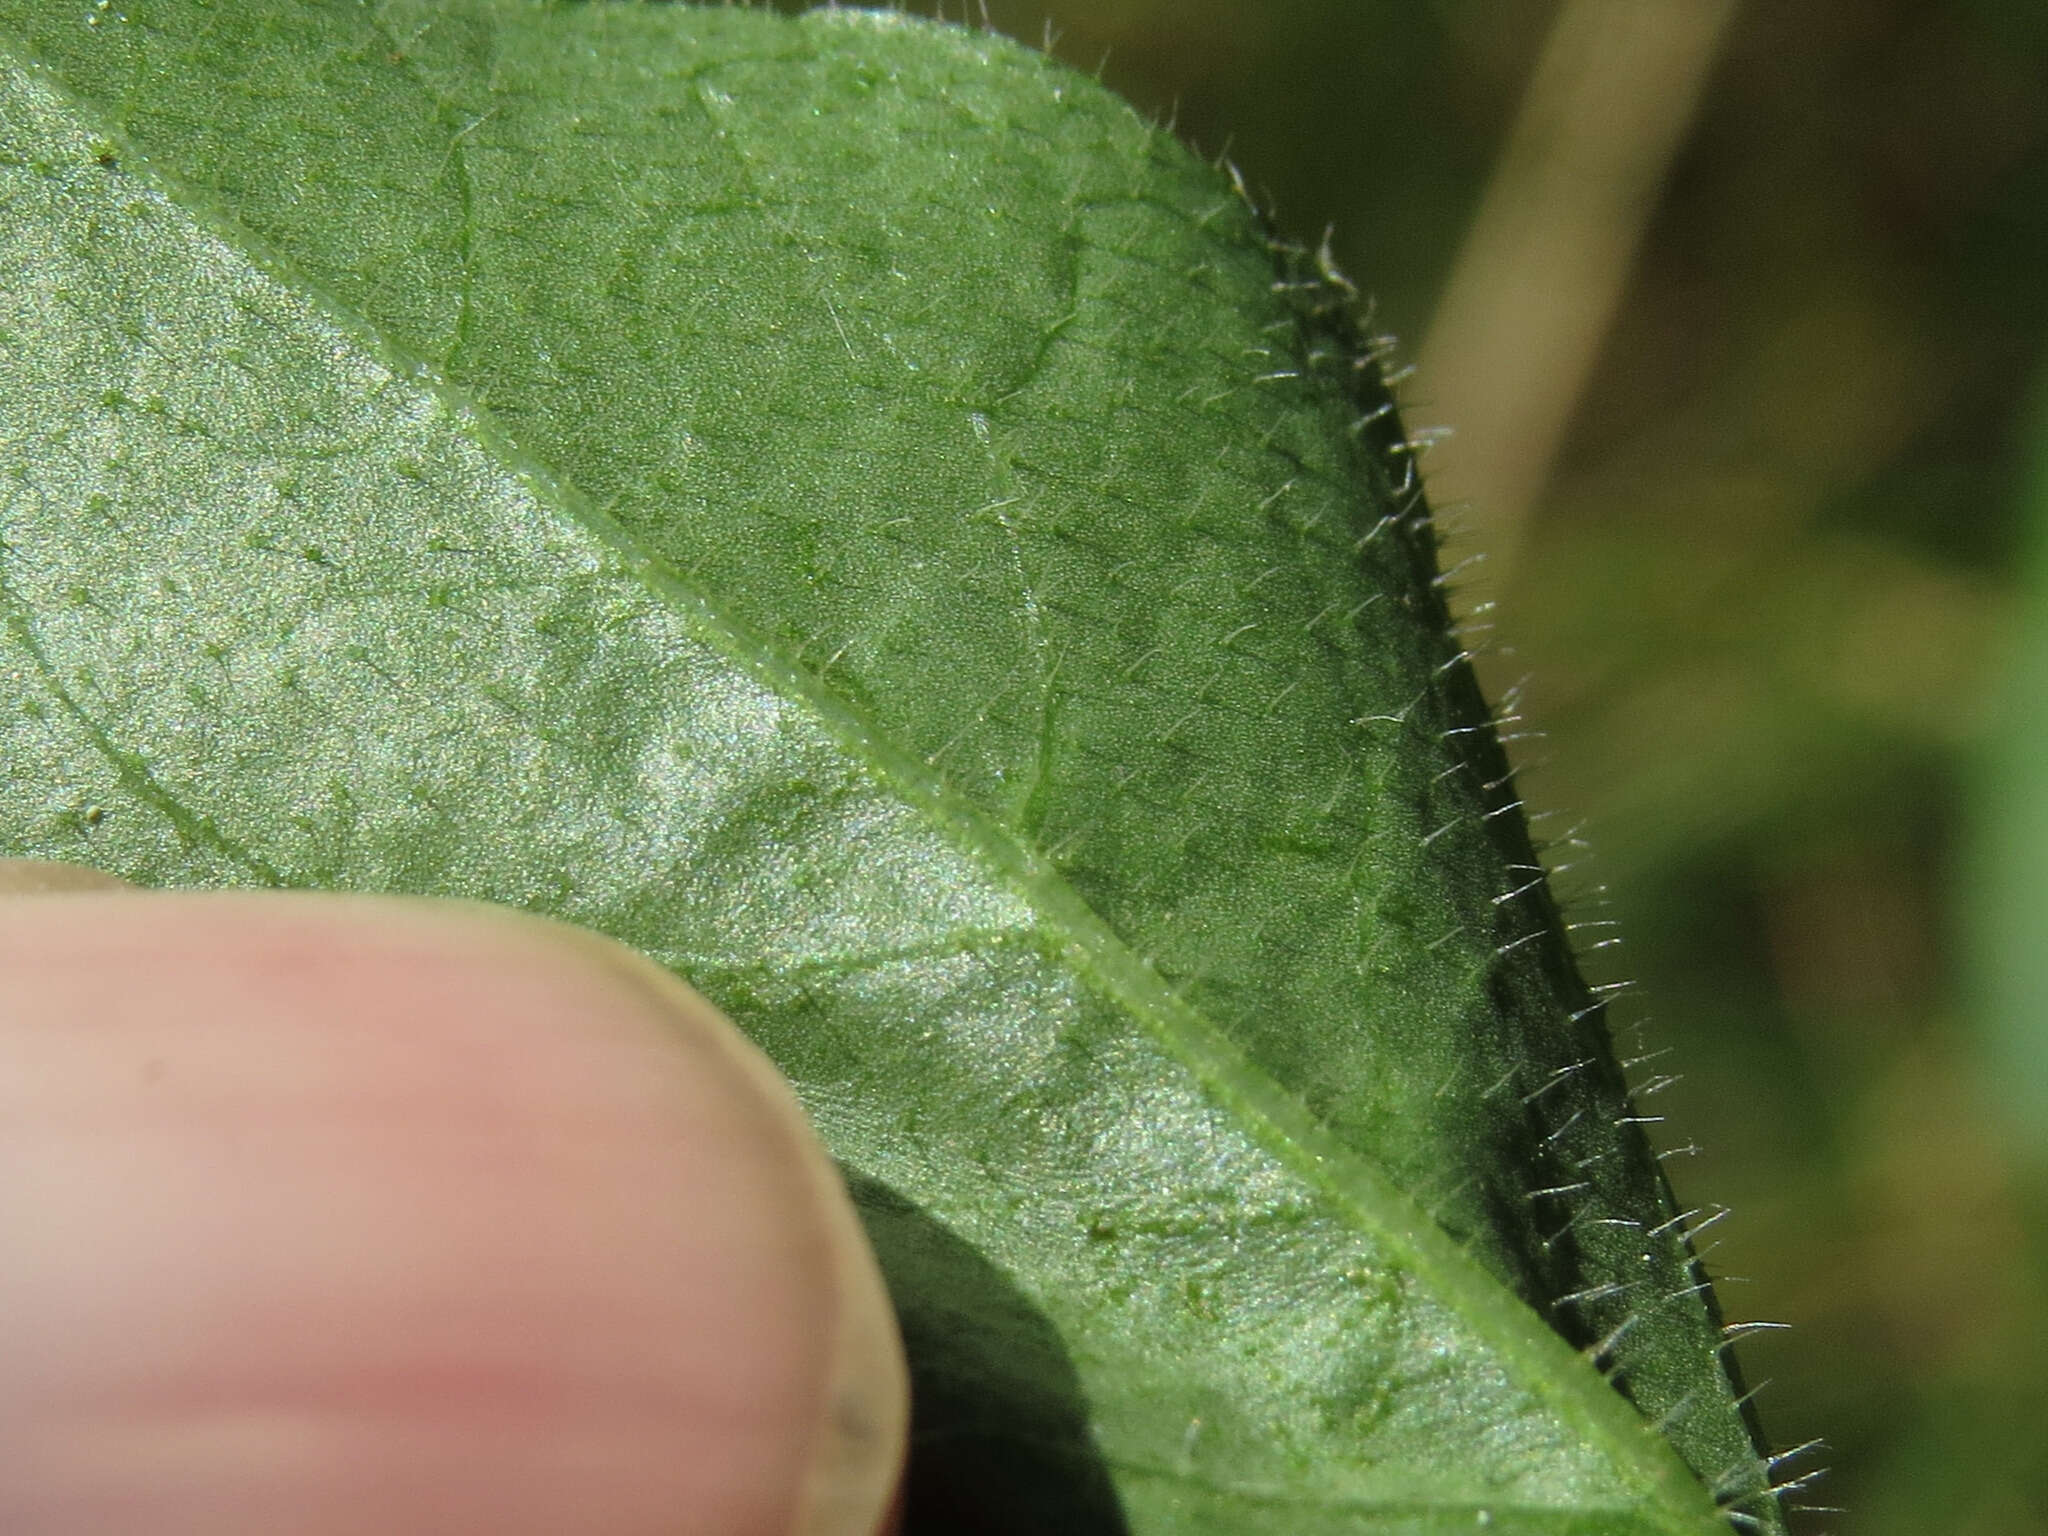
(1761, 609)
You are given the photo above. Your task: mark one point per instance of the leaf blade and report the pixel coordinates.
(892, 845)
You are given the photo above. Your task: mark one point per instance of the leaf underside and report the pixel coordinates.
(847, 508)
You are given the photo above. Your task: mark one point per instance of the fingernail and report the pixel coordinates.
(333, 1214)
(43, 877)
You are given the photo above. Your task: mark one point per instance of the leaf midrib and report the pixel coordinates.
(1471, 1513)
(1276, 1121)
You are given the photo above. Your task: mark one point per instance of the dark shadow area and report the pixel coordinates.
(999, 1439)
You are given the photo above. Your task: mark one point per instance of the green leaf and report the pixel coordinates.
(846, 507)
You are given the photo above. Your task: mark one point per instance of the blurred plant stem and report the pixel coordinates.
(1544, 264)
(2004, 921)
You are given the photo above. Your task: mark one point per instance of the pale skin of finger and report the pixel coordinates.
(347, 1214)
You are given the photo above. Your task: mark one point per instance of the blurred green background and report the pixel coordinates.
(1738, 310)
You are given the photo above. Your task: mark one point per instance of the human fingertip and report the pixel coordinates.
(333, 1214)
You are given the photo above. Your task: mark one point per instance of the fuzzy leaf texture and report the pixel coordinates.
(846, 507)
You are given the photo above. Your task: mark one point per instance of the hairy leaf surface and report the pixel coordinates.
(846, 507)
